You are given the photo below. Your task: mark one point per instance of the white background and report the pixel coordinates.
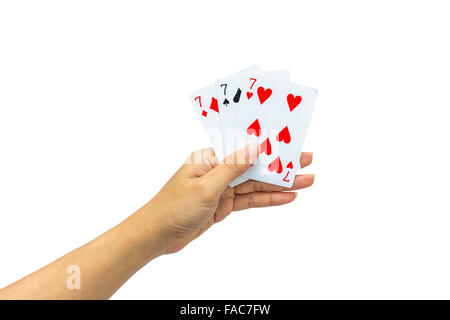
(91, 92)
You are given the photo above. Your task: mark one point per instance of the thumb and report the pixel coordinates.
(232, 167)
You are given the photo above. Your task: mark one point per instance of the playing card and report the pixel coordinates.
(277, 116)
(207, 109)
(232, 100)
(257, 106)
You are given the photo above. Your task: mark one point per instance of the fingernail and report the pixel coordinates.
(296, 195)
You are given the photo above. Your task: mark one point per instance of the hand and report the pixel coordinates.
(198, 195)
(194, 199)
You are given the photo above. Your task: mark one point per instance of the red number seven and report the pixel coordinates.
(199, 101)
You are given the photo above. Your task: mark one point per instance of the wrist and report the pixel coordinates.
(146, 232)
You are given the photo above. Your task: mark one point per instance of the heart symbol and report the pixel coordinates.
(290, 165)
(214, 105)
(254, 128)
(284, 135)
(276, 166)
(264, 94)
(266, 147)
(293, 101)
(249, 95)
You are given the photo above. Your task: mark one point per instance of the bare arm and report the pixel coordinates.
(102, 265)
(195, 198)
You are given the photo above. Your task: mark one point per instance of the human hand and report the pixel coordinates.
(195, 198)
(198, 195)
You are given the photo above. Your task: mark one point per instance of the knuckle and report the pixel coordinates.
(258, 187)
(251, 202)
(233, 167)
(211, 160)
(270, 201)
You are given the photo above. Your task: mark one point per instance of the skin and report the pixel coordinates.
(196, 197)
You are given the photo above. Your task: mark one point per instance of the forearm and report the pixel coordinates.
(194, 199)
(104, 263)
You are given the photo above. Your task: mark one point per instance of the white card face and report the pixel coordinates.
(230, 97)
(280, 123)
(281, 74)
(229, 92)
(233, 95)
(207, 109)
(257, 106)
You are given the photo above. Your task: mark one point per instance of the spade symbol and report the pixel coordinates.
(226, 102)
(237, 96)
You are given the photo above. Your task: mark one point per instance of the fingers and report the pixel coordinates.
(262, 199)
(233, 166)
(300, 182)
(199, 162)
(305, 159)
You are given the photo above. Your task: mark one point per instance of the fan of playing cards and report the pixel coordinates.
(257, 106)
